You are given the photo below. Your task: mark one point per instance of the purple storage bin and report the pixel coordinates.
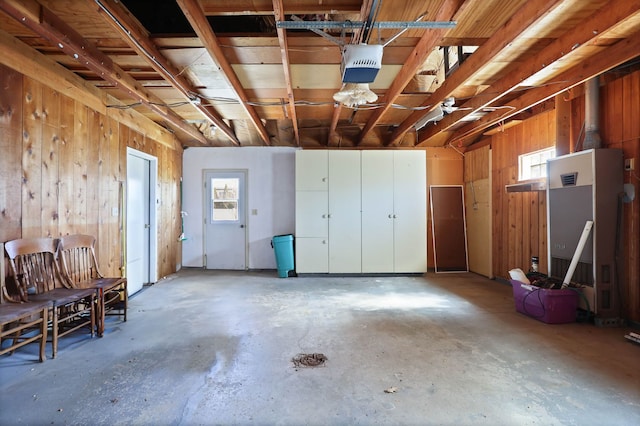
(546, 305)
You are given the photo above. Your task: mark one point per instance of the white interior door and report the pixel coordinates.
(138, 222)
(225, 220)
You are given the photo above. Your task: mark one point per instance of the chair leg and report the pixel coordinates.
(43, 331)
(54, 332)
(101, 312)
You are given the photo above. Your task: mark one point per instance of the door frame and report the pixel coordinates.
(205, 212)
(153, 213)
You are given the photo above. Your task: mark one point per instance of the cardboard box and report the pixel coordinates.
(546, 305)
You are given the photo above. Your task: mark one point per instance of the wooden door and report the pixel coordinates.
(449, 228)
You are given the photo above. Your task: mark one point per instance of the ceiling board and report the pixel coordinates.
(254, 54)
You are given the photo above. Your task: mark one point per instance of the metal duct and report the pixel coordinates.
(592, 114)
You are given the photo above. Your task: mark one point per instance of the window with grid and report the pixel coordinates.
(533, 165)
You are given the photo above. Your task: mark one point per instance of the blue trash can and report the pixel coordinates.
(283, 247)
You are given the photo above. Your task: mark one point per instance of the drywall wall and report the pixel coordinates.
(271, 195)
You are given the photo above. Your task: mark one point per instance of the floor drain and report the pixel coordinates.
(309, 360)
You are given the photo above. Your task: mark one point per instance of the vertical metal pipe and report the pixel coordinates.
(592, 114)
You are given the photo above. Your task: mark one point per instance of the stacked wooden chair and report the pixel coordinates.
(35, 269)
(77, 258)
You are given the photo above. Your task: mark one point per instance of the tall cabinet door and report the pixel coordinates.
(377, 212)
(344, 212)
(312, 215)
(410, 218)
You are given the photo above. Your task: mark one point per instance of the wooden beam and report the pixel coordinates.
(333, 137)
(33, 64)
(137, 37)
(609, 57)
(422, 50)
(264, 7)
(39, 67)
(570, 44)
(53, 29)
(278, 11)
(198, 20)
(528, 15)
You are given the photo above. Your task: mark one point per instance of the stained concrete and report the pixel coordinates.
(210, 347)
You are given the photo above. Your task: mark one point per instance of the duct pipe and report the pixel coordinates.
(592, 114)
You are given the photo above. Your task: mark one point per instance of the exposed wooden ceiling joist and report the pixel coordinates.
(138, 38)
(571, 44)
(196, 17)
(44, 23)
(607, 59)
(533, 11)
(278, 12)
(417, 57)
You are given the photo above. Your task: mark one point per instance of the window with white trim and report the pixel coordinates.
(533, 165)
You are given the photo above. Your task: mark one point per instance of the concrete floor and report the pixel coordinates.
(208, 347)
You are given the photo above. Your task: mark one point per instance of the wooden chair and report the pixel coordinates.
(20, 323)
(79, 266)
(23, 323)
(33, 265)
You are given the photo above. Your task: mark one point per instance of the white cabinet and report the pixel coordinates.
(328, 211)
(361, 211)
(394, 236)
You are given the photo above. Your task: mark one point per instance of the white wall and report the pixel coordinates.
(271, 191)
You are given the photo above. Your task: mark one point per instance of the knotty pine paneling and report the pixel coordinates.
(11, 148)
(620, 129)
(63, 168)
(31, 158)
(519, 218)
(50, 171)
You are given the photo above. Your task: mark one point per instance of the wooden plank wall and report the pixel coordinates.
(620, 129)
(519, 219)
(63, 168)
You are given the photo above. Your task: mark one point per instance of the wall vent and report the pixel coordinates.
(569, 179)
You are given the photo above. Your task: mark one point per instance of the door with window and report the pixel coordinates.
(225, 220)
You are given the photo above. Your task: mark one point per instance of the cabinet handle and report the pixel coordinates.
(324, 179)
(329, 216)
(324, 216)
(389, 216)
(394, 216)
(324, 241)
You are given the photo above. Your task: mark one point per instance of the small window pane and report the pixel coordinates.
(534, 164)
(224, 199)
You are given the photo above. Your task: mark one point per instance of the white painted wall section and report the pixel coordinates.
(271, 196)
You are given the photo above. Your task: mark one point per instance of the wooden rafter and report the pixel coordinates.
(43, 22)
(423, 48)
(337, 110)
(278, 11)
(570, 44)
(264, 7)
(609, 57)
(198, 20)
(528, 15)
(138, 39)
